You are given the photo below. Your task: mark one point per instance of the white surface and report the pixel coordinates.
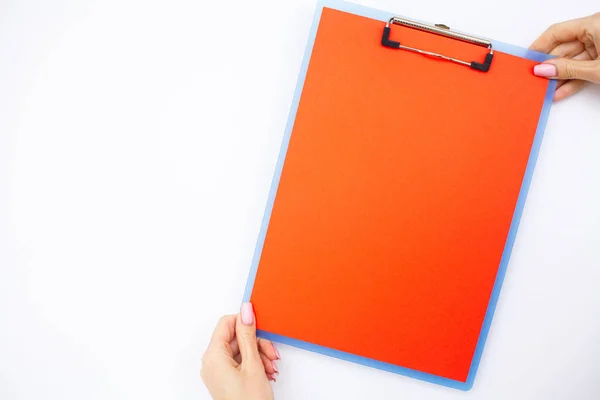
(137, 145)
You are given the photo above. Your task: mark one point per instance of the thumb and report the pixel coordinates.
(564, 68)
(245, 330)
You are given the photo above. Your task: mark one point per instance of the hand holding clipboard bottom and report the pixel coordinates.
(236, 364)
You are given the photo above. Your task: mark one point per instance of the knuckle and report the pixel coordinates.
(248, 337)
(263, 343)
(568, 91)
(569, 71)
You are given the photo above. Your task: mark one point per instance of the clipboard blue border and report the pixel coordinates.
(499, 46)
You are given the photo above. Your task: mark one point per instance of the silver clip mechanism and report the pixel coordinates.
(443, 30)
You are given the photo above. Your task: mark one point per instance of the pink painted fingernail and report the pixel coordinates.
(247, 314)
(275, 367)
(277, 353)
(545, 70)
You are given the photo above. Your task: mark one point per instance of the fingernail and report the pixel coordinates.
(277, 353)
(545, 70)
(275, 367)
(247, 314)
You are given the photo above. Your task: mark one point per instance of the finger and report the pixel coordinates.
(246, 337)
(567, 50)
(235, 347)
(223, 334)
(267, 348)
(563, 68)
(592, 51)
(272, 378)
(584, 55)
(568, 89)
(270, 367)
(587, 70)
(560, 33)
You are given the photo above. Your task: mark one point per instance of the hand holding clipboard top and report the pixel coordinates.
(577, 44)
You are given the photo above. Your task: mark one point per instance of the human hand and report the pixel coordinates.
(237, 365)
(577, 44)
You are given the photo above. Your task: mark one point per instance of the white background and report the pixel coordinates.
(137, 144)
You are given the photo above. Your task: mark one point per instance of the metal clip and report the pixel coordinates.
(443, 30)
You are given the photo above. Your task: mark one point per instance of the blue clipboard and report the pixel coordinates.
(543, 118)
